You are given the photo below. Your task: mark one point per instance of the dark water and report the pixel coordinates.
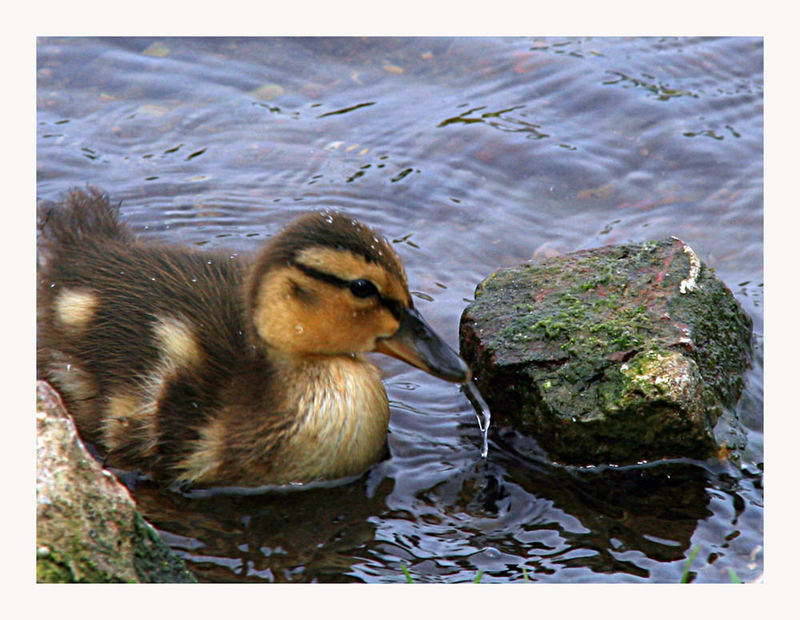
(470, 154)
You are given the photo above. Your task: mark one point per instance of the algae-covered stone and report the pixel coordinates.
(614, 355)
(87, 527)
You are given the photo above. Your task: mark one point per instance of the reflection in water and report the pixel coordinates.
(275, 536)
(544, 518)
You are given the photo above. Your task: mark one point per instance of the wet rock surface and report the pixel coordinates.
(87, 526)
(613, 355)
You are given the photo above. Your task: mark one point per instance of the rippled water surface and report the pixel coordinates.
(470, 155)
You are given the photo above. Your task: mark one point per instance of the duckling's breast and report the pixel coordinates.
(342, 418)
(325, 418)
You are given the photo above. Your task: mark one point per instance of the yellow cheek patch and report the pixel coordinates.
(178, 342)
(75, 308)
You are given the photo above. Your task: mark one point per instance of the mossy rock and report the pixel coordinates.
(614, 355)
(87, 526)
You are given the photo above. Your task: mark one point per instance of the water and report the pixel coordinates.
(469, 155)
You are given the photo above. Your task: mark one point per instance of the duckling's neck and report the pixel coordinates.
(341, 416)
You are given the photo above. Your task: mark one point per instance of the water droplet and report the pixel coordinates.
(492, 553)
(481, 411)
(52, 284)
(329, 218)
(122, 273)
(298, 329)
(194, 279)
(69, 367)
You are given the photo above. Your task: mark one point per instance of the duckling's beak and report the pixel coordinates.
(417, 344)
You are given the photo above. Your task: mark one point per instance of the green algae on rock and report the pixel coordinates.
(619, 354)
(87, 527)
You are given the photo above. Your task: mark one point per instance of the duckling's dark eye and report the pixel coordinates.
(363, 288)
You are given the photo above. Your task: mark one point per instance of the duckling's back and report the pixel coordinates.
(128, 330)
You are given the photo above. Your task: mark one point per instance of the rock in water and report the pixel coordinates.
(87, 526)
(614, 355)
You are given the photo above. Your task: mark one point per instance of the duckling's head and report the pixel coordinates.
(329, 285)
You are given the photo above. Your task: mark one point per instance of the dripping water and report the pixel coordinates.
(481, 411)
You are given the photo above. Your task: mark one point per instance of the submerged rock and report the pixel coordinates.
(614, 355)
(87, 527)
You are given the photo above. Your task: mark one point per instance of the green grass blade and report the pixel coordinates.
(692, 554)
(478, 576)
(409, 579)
(734, 576)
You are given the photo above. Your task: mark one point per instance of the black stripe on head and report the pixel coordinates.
(321, 275)
(326, 229)
(330, 229)
(395, 306)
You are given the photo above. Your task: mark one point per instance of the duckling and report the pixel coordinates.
(210, 369)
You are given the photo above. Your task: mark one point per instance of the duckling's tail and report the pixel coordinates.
(86, 217)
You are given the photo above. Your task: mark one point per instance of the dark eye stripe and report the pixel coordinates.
(394, 306)
(321, 275)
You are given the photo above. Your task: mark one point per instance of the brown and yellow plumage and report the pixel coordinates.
(222, 370)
